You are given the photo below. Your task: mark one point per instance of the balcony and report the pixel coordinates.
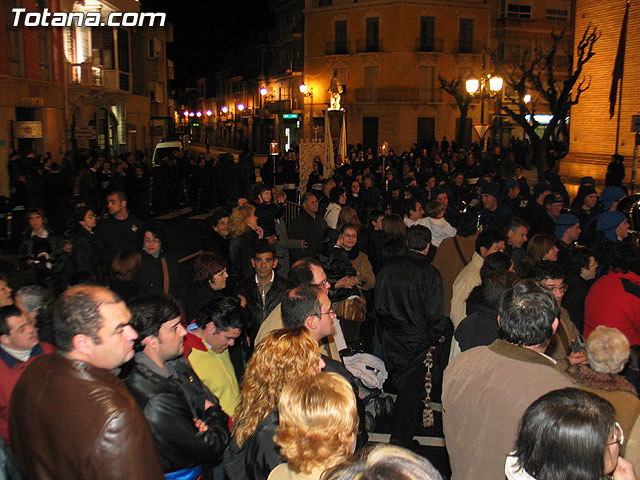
(331, 48)
(283, 106)
(436, 45)
(410, 95)
(85, 74)
(362, 46)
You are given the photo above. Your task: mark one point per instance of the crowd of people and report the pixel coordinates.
(438, 275)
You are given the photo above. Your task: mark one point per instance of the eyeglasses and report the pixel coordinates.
(618, 435)
(331, 312)
(322, 284)
(151, 240)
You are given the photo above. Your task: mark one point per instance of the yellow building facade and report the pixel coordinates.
(593, 133)
(387, 56)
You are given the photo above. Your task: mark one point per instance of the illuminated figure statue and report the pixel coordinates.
(335, 89)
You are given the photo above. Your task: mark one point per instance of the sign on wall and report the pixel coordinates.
(27, 129)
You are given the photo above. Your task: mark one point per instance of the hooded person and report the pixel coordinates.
(613, 226)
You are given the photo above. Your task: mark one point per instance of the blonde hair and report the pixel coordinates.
(282, 356)
(607, 350)
(238, 220)
(318, 422)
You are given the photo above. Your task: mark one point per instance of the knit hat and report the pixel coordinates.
(563, 223)
(587, 181)
(490, 189)
(608, 222)
(540, 188)
(553, 197)
(609, 195)
(510, 183)
(585, 190)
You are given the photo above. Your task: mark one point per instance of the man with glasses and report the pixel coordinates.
(19, 346)
(308, 272)
(561, 347)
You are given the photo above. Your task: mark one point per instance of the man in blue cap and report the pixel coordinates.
(512, 194)
(614, 227)
(493, 214)
(567, 232)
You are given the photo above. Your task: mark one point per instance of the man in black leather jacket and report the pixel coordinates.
(190, 429)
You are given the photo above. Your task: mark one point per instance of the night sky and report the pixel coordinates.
(210, 33)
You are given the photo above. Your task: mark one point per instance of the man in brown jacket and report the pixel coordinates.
(70, 417)
(486, 390)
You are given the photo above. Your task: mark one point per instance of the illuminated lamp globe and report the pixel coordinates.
(263, 91)
(495, 84)
(199, 114)
(225, 109)
(241, 106)
(472, 85)
(303, 88)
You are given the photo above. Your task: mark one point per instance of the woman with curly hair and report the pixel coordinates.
(244, 232)
(318, 426)
(280, 358)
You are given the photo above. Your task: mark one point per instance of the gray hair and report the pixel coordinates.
(607, 350)
(34, 298)
(386, 462)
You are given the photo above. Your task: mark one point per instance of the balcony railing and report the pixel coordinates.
(283, 106)
(333, 48)
(411, 95)
(473, 48)
(362, 46)
(86, 74)
(436, 45)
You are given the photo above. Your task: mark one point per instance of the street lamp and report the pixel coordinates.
(526, 98)
(485, 86)
(225, 109)
(263, 91)
(241, 107)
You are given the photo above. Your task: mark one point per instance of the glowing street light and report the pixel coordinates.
(191, 114)
(303, 88)
(199, 114)
(527, 98)
(225, 109)
(241, 106)
(263, 91)
(209, 113)
(186, 113)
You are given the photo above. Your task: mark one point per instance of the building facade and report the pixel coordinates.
(593, 133)
(32, 96)
(387, 57)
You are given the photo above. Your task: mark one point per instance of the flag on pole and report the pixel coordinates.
(618, 68)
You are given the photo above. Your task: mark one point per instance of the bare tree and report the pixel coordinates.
(536, 75)
(456, 88)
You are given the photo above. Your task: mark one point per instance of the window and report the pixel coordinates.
(427, 34)
(102, 47)
(44, 52)
(520, 12)
(373, 33)
(14, 40)
(341, 37)
(556, 15)
(466, 35)
(123, 51)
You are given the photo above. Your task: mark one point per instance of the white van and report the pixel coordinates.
(164, 149)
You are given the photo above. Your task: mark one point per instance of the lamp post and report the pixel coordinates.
(485, 86)
(307, 93)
